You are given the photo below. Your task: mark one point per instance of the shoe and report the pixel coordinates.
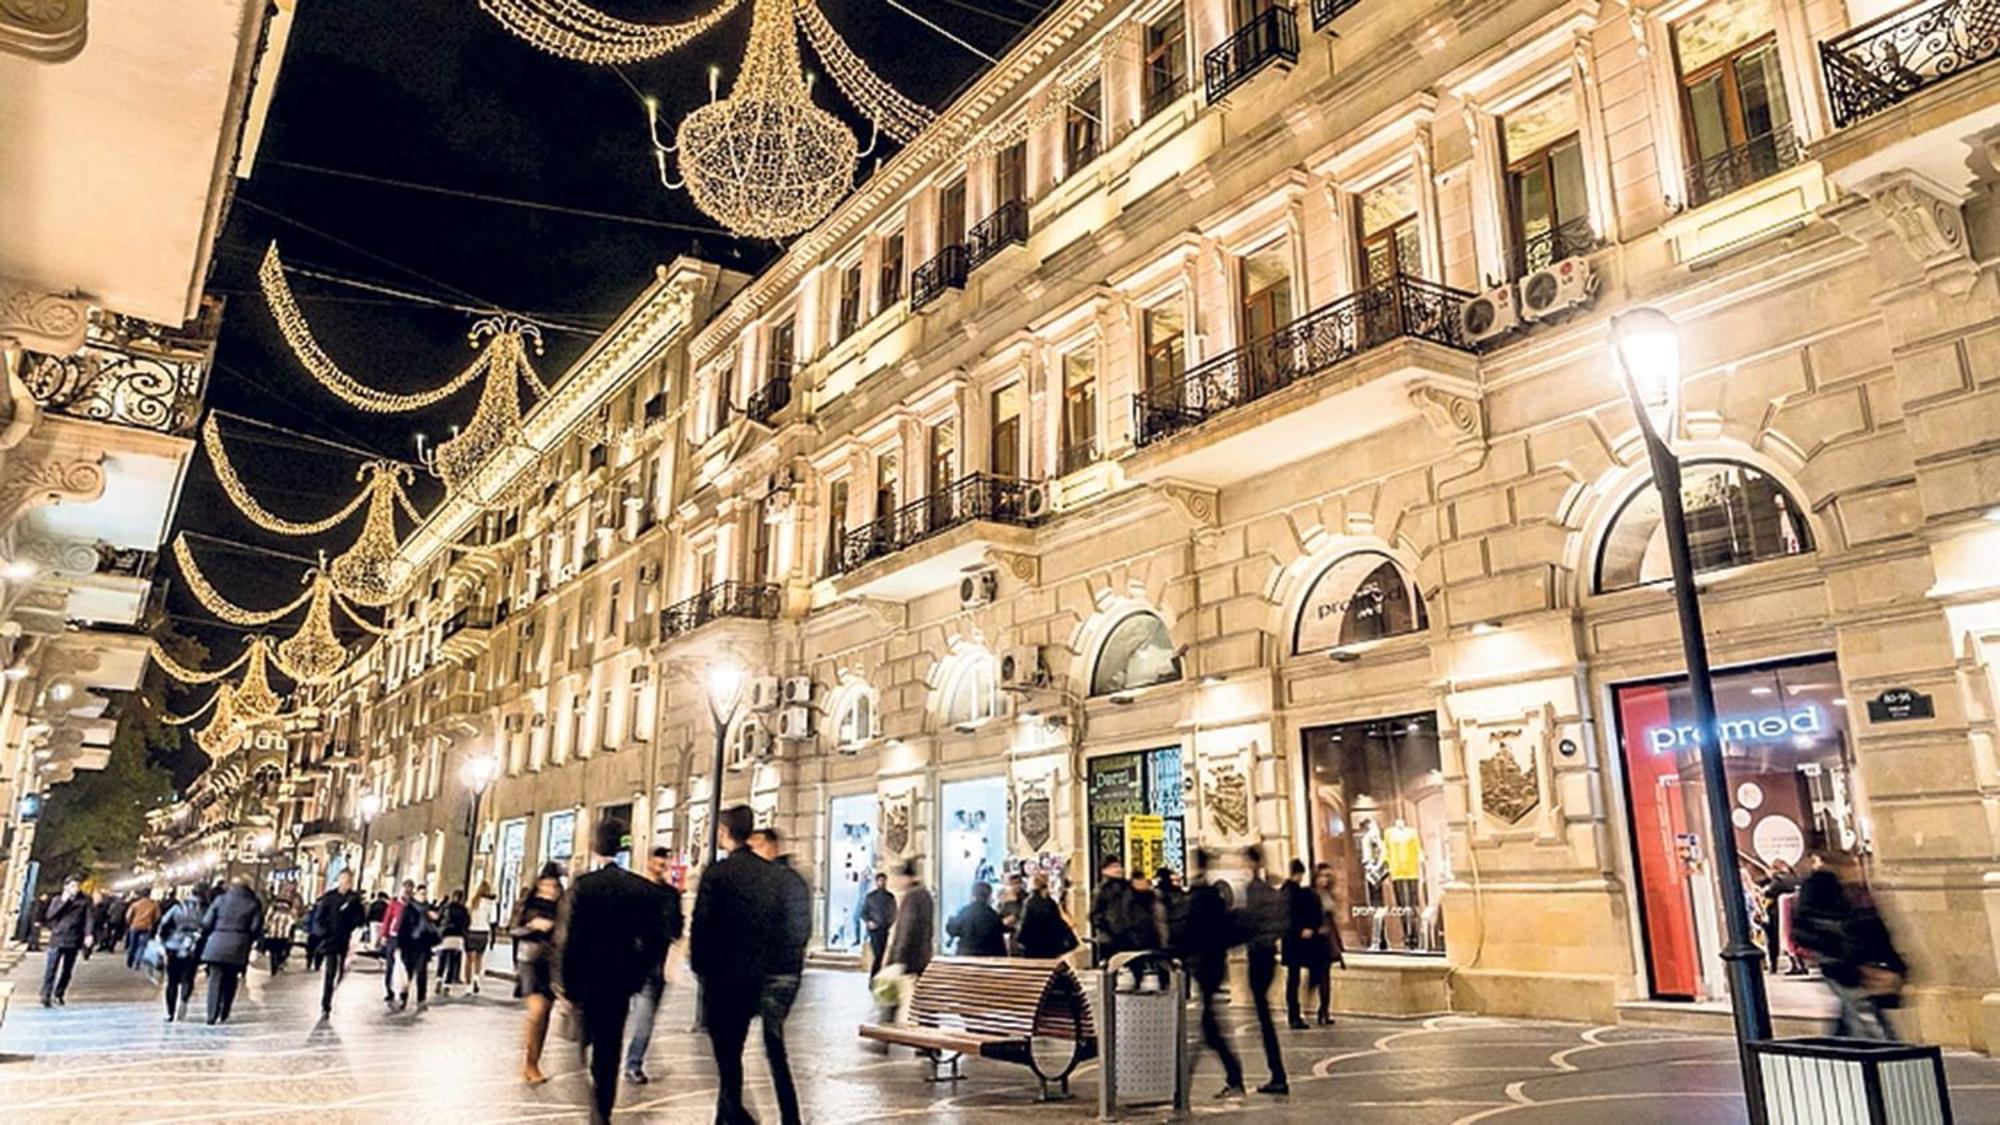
(60, 1002)
(1325, 1021)
(475, 988)
(1277, 1089)
(1230, 1091)
(48, 1003)
(1299, 1025)
(533, 1076)
(637, 1077)
(326, 1013)
(402, 1001)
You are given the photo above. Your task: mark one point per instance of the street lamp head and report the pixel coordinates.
(369, 805)
(1647, 344)
(725, 680)
(478, 772)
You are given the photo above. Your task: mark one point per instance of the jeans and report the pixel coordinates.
(645, 1008)
(388, 970)
(772, 1007)
(1211, 1034)
(56, 969)
(1263, 971)
(728, 1019)
(603, 1031)
(222, 982)
(449, 961)
(1860, 1017)
(333, 962)
(135, 947)
(180, 983)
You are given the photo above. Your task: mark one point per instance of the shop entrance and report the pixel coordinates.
(1792, 793)
(1138, 813)
(850, 867)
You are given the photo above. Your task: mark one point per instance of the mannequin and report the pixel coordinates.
(1374, 873)
(1405, 854)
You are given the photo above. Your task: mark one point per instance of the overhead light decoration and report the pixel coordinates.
(496, 421)
(314, 655)
(577, 31)
(223, 732)
(370, 571)
(382, 475)
(213, 600)
(255, 701)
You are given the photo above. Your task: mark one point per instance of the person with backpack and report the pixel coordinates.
(330, 926)
(180, 938)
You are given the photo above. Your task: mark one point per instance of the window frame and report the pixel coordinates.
(1808, 540)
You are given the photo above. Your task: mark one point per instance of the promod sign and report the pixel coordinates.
(1803, 721)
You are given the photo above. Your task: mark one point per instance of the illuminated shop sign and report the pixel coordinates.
(1804, 720)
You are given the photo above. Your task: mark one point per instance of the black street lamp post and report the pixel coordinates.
(1647, 346)
(477, 773)
(725, 692)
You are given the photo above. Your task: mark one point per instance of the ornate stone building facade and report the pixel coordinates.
(1205, 434)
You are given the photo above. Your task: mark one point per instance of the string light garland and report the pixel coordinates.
(299, 337)
(373, 475)
(902, 118)
(212, 599)
(255, 701)
(353, 615)
(174, 720)
(581, 33)
(185, 674)
(496, 421)
(313, 655)
(224, 730)
(370, 571)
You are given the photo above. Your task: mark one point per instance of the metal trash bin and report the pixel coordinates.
(1829, 1081)
(1142, 1016)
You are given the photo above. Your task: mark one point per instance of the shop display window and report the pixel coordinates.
(1138, 813)
(1792, 793)
(559, 837)
(850, 867)
(1379, 817)
(972, 834)
(622, 813)
(513, 838)
(1361, 597)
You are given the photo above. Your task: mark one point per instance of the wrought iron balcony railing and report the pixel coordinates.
(756, 600)
(128, 373)
(1889, 59)
(1160, 95)
(975, 496)
(1271, 35)
(1758, 158)
(1327, 11)
(1078, 456)
(765, 403)
(467, 617)
(946, 271)
(1007, 226)
(1401, 306)
(1564, 240)
(125, 562)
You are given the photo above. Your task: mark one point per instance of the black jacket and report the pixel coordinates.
(1211, 930)
(234, 922)
(978, 930)
(1043, 931)
(878, 913)
(739, 924)
(69, 920)
(334, 919)
(788, 953)
(415, 928)
(613, 935)
(1303, 912)
(1111, 917)
(914, 939)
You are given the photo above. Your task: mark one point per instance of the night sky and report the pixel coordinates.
(434, 92)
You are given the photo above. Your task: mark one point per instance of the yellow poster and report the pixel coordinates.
(1145, 845)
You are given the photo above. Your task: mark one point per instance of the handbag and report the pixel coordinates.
(568, 1022)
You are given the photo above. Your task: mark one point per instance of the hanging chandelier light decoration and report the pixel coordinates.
(371, 570)
(496, 421)
(224, 730)
(255, 701)
(314, 654)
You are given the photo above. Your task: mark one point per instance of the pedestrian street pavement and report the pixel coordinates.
(109, 1057)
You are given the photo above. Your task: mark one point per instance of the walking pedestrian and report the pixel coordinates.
(738, 922)
(612, 937)
(230, 929)
(72, 922)
(1304, 944)
(332, 923)
(977, 928)
(533, 932)
(142, 917)
(1836, 923)
(278, 923)
(481, 917)
(392, 913)
(1266, 915)
(453, 921)
(1044, 933)
(1110, 910)
(1212, 929)
(1145, 918)
(787, 969)
(912, 939)
(1173, 906)
(416, 935)
(646, 1004)
(180, 937)
(1013, 896)
(1336, 950)
(878, 914)
(104, 933)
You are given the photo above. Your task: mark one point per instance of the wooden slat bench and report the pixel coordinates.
(1008, 1008)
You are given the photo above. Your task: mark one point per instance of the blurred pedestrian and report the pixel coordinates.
(1212, 929)
(913, 938)
(482, 914)
(646, 1004)
(453, 919)
(1045, 933)
(180, 937)
(279, 920)
(1265, 915)
(416, 936)
(1145, 918)
(1013, 896)
(878, 914)
(1110, 910)
(71, 919)
(738, 922)
(1173, 906)
(104, 923)
(977, 928)
(787, 968)
(392, 913)
(533, 932)
(230, 928)
(142, 918)
(1304, 943)
(331, 924)
(612, 936)
(1836, 923)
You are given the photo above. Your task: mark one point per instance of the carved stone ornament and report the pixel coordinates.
(1225, 796)
(1022, 566)
(1034, 817)
(1931, 229)
(31, 319)
(1456, 416)
(49, 31)
(898, 813)
(28, 481)
(1507, 787)
(63, 556)
(1198, 504)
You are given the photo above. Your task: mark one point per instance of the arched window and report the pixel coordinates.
(1137, 653)
(856, 725)
(1736, 515)
(974, 692)
(1364, 596)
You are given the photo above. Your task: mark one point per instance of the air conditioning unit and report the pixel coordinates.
(798, 690)
(978, 588)
(1489, 314)
(1557, 289)
(1022, 667)
(1039, 501)
(795, 724)
(753, 742)
(764, 693)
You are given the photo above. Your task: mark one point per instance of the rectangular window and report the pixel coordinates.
(724, 379)
(836, 523)
(888, 482)
(579, 707)
(611, 621)
(1079, 410)
(1390, 245)
(1165, 343)
(704, 568)
(1267, 291)
(1010, 173)
(1736, 125)
(1166, 68)
(586, 623)
(604, 726)
(847, 316)
(889, 277)
(779, 361)
(1006, 431)
(1381, 821)
(760, 543)
(951, 215)
(1083, 126)
(1546, 209)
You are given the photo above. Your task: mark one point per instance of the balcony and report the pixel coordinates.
(1327, 11)
(1363, 363)
(1271, 36)
(128, 373)
(1889, 60)
(755, 601)
(926, 544)
(322, 831)
(1539, 251)
(465, 634)
(1005, 227)
(771, 398)
(929, 281)
(1752, 162)
(1160, 95)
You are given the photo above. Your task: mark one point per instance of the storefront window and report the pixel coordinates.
(513, 839)
(1792, 793)
(1137, 811)
(1364, 596)
(559, 837)
(850, 867)
(972, 833)
(1138, 653)
(1379, 818)
(1735, 516)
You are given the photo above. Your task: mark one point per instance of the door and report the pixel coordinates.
(511, 849)
(850, 867)
(972, 831)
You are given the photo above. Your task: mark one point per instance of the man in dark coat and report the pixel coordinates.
(878, 913)
(1211, 931)
(411, 933)
(230, 929)
(1265, 914)
(72, 922)
(977, 926)
(788, 966)
(738, 923)
(332, 923)
(915, 935)
(1304, 945)
(646, 1005)
(613, 934)
(1111, 910)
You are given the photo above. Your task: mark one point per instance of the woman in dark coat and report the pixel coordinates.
(534, 963)
(230, 928)
(1044, 932)
(1304, 944)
